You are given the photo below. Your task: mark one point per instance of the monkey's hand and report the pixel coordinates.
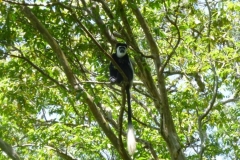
(113, 80)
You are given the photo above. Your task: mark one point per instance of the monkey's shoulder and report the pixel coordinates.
(124, 59)
(114, 56)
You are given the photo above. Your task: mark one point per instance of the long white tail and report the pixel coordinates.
(131, 142)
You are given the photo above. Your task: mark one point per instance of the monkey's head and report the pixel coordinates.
(121, 49)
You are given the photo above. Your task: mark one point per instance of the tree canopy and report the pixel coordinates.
(56, 101)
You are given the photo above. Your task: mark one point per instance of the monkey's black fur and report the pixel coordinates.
(122, 59)
(124, 63)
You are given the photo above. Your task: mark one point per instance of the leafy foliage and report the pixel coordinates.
(185, 96)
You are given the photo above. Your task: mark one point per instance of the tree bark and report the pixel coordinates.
(7, 148)
(72, 80)
(168, 130)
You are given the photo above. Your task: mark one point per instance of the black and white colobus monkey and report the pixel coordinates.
(122, 59)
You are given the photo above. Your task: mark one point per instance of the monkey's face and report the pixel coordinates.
(121, 51)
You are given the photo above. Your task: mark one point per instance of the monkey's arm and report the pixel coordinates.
(113, 73)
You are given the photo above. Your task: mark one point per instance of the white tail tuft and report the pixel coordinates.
(131, 142)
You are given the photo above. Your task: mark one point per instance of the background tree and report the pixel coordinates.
(56, 102)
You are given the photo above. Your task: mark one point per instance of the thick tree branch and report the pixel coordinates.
(209, 25)
(197, 77)
(211, 103)
(168, 130)
(52, 42)
(151, 42)
(106, 32)
(206, 112)
(145, 74)
(235, 99)
(94, 40)
(8, 150)
(106, 8)
(61, 153)
(108, 83)
(202, 133)
(88, 99)
(201, 117)
(29, 4)
(94, 12)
